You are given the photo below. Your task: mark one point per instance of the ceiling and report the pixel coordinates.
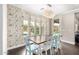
(56, 8)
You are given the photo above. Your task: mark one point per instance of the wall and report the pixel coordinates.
(15, 18)
(1, 28)
(67, 28)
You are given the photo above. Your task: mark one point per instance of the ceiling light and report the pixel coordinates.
(47, 11)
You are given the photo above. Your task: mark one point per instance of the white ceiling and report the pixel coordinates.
(57, 8)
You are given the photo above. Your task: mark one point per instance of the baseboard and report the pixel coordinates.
(16, 46)
(68, 42)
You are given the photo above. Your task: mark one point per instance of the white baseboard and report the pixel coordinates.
(68, 42)
(16, 46)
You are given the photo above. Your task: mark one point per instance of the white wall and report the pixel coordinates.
(67, 21)
(5, 29)
(1, 29)
(68, 28)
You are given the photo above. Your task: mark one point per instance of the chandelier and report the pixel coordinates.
(47, 11)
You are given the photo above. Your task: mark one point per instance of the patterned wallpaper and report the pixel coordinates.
(15, 21)
(15, 17)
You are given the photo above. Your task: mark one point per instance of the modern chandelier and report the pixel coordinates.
(47, 11)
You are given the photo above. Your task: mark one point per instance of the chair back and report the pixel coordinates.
(55, 40)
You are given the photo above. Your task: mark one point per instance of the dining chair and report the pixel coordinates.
(31, 47)
(55, 42)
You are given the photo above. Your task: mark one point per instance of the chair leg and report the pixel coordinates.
(52, 50)
(46, 52)
(39, 51)
(60, 51)
(26, 52)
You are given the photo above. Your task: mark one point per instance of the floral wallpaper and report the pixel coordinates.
(15, 18)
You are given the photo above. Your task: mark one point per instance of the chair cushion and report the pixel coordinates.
(32, 47)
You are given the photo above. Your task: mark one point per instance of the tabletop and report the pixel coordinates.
(39, 40)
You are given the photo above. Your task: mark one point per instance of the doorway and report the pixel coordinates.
(77, 28)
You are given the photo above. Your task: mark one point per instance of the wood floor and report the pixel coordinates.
(67, 49)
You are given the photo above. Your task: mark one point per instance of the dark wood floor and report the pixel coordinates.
(67, 49)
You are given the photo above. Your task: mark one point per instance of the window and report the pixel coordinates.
(25, 27)
(32, 28)
(37, 28)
